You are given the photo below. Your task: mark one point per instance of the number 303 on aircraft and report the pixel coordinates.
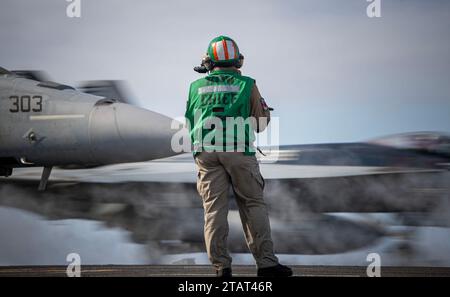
(26, 103)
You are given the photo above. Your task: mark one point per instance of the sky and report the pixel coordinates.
(331, 73)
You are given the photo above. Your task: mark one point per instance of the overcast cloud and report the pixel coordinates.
(330, 72)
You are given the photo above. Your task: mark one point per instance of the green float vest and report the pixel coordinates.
(216, 99)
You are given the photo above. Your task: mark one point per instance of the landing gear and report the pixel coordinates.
(44, 178)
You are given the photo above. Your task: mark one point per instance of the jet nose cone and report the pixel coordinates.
(146, 134)
(124, 133)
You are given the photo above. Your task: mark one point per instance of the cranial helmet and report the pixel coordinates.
(223, 52)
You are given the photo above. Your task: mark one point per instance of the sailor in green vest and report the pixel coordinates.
(224, 110)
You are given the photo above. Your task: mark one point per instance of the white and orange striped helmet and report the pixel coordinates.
(223, 51)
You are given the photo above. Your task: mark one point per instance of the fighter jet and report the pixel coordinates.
(46, 124)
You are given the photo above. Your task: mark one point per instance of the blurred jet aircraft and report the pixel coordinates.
(46, 124)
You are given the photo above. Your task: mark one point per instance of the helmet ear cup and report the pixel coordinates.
(240, 61)
(207, 62)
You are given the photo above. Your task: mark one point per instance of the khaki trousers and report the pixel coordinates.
(216, 172)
